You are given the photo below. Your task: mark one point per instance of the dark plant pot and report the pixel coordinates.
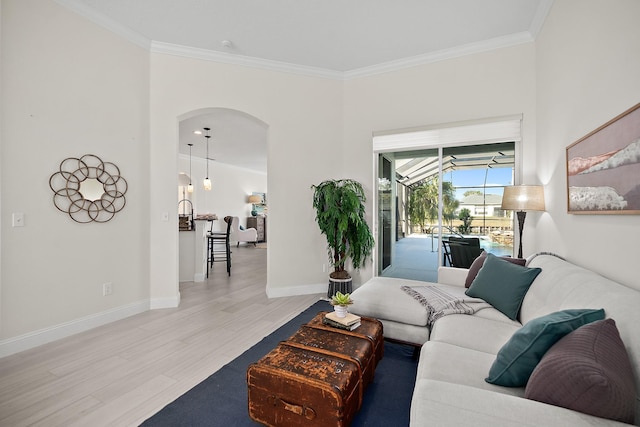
(339, 285)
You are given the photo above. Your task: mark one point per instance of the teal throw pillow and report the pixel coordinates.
(502, 284)
(517, 359)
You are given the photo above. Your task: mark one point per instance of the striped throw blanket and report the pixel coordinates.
(440, 303)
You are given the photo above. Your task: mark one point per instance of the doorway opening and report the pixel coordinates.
(234, 161)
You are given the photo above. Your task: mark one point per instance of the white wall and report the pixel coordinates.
(304, 119)
(72, 88)
(69, 88)
(588, 68)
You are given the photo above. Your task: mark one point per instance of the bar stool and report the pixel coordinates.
(218, 247)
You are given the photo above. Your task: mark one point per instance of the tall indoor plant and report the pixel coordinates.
(340, 214)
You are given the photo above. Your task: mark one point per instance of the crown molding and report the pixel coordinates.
(469, 49)
(441, 55)
(400, 64)
(106, 22)
(386, 67)
(541, 15)
(229, 58)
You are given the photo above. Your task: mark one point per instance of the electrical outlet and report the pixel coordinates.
(17, 219)
(107, 289)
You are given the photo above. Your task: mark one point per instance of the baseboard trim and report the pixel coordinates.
(43, 336)
(290, 291)
(170, 302)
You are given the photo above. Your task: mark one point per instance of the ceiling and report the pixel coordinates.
(335, 35)
(331, 38)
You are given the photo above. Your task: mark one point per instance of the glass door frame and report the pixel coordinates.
(379, 209)
(386, 212)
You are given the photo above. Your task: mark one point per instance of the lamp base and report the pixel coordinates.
(521, 217)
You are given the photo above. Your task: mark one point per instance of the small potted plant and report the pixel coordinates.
(340, 303)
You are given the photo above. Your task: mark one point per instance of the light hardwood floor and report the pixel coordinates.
(122, 373)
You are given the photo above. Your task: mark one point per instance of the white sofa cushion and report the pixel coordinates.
(452, 276)
(474, 332)
(382, 298)
(410, 334)
(439, 403)
(450, 363)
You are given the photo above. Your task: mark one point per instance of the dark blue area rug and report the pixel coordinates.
(221, 399)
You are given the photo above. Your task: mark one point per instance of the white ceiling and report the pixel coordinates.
(332, 38)
(334, 35)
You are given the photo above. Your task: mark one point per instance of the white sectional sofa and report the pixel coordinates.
(459, 350)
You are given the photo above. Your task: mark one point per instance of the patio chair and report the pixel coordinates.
(463, 255)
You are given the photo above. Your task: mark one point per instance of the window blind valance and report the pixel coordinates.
(475, 132)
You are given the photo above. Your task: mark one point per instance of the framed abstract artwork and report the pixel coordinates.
(603, 168)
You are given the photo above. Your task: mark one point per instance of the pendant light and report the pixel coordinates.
(190, 186)
(207, 181)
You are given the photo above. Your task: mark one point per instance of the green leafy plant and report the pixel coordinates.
(340, 210)
(466, 218)
(423, 203)
(341, 299)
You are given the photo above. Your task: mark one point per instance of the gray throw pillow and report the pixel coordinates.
(502, 284)
(517, 359)
(588, 371)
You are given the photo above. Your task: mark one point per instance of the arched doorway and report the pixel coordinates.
(236, 166)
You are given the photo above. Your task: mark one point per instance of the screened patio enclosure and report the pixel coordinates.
(468, 182)
(480, 172)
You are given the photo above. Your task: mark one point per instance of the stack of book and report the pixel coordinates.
(349, 323)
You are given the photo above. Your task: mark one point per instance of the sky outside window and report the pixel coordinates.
(473, 179)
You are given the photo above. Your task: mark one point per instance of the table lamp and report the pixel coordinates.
(254, 200)
(521, 198)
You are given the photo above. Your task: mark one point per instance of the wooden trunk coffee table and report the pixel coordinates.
(316, 377)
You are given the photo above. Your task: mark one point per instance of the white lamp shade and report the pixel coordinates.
(190, 188)
(207, 184)
(255, 199)
(523, 198)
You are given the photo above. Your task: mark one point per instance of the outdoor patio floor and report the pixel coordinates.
(416, 257)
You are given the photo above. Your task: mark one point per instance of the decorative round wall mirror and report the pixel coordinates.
(88, 189)
(91, 189)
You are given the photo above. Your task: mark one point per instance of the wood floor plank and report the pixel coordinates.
(49, 417)
(122, 373)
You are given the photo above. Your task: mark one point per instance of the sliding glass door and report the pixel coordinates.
(427, 197)
(477, 175)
